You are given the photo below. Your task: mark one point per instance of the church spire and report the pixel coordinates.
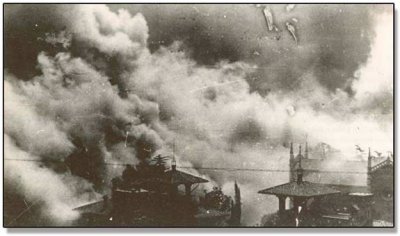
(291, 164)
(369, 168)
(306, 151)
(300, 170)
(291, 148)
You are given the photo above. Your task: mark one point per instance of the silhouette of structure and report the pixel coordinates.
(326, 199)
(151, 195)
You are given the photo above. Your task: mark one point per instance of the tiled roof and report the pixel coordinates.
(171, 177)
(387, 162)
(304, 189)
(180, 177)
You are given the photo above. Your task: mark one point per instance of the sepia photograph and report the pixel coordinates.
(198, 115)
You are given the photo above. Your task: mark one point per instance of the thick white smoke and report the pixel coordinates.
(42, 187)
(76, 106)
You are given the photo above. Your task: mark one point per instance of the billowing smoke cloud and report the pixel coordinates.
(53, 193)
(97, 85)
(334, 39)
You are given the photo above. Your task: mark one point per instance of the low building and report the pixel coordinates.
(320, 196)
(150, 195)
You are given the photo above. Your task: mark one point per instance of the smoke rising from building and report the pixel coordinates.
(88, 84)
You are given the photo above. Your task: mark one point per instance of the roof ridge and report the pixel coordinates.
(381, 164)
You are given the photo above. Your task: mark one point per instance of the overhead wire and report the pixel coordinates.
(228, 169)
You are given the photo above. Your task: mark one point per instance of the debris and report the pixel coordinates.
(295, 20)
(256, 53)
(290, 27)
(290, 7)
(269, 18)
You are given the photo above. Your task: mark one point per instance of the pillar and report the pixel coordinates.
(188, 189)
(282, 201)
(174, 189)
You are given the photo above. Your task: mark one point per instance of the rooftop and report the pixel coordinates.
(303, 189)
(384, 163)
(180, 177)
(173, 177)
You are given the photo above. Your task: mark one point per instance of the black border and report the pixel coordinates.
(384, 229)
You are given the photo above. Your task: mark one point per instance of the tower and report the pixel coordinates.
(306, 151)
(173, 163)
(299, 150)
(369, 169)
(299, 170)
(236, 211)
(291, 164)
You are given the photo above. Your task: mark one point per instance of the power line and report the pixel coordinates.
(228, 169)
(50, 160)
(269, 170)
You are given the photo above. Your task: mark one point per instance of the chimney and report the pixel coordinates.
(173, 163)
(291, 164)
(369, 168)
(299, 171)
(299, 149)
